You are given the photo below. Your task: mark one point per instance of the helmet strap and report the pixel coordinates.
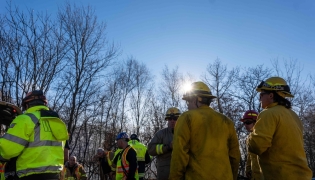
(196, 102)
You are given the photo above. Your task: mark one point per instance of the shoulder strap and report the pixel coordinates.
(122, 164)
(36, 128)
(125, 171)
(33, 118)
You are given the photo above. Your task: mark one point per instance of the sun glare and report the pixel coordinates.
(187, 87)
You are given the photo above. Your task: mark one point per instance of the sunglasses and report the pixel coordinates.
(173, 118)
(248, 122)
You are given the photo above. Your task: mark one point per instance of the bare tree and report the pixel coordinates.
(245, 96)
(140, 96)
(127, 77)
(247, 84)
(32, 52)
(87, 59)
(292, 74)
(111, 100)
(171, 87)
(308, 118)
(220, 80)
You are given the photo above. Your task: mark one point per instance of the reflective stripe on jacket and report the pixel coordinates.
(107, 155)
(114, 164)
(277, 139)
(77, 174)
(140, 148)
(158, 147)
(123, 166)
(205, 146)
(34, 140)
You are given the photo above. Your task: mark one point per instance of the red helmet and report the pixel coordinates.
(250, 114)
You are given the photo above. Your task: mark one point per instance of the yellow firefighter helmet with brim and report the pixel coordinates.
(200, 90)
(276, 84)
(172, 112)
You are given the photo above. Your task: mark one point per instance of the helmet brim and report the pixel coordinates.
(243, 120)
(282, 90)
(187, 97)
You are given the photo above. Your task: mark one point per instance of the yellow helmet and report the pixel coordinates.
(198, 89)
(275, 84)
(172, 112)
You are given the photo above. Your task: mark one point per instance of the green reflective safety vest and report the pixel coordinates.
(114, 164)
(37, 138)
(140, 148)
(122, 161)
(107, 155)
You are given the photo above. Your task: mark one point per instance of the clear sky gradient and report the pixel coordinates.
(193, 33)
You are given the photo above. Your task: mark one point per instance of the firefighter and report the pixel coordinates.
(126, 160)
(72, 170)
(37, 138)
(8, 113)
(161, 144)
(253, 170)
(277, 137)
(114, 165)
(143, 156)
(105, 161)
(205, 141)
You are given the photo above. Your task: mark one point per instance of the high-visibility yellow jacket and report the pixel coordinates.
(109, 157)
(140, 148)
(78, 172)
(37, 137)
(205, 146)
(142, 156)
(277, 139)
(114, 164)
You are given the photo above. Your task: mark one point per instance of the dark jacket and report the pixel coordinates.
(159, 147)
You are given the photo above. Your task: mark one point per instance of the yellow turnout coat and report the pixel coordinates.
(205, 146)
(277, 139)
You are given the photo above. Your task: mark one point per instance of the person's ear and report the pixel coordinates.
(271, 95)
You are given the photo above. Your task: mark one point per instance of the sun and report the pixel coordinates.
(186, 87)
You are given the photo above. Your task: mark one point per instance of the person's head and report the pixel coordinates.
(34, 98)
(249, 119)
(199, 94)
(134, 137)
(100, 152)
(171, 116)
(274, 89)
(122, 140)
(72, 161)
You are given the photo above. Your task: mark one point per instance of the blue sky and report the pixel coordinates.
(191, 34)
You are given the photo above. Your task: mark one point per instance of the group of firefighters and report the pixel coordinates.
(200, 143)
(127, 162)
